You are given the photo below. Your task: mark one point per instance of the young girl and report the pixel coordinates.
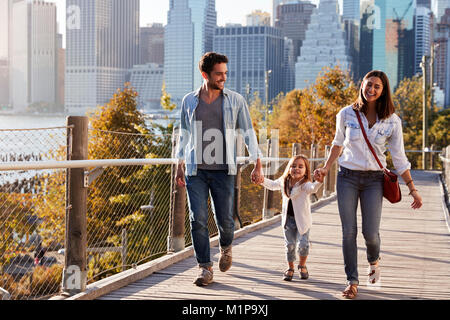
(296, 186)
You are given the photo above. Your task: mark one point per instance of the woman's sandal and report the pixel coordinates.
(351, 291)
(288, 274)
(303, 275)
(373, 273)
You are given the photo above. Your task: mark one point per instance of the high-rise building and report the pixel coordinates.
(151, 42)
(393, 40)
(5, 11)
(258, 18)
(351, 10)
(32, 53)
(147, 80)
(188, 35)
(60, 72)
(102, 44)
(351, 19)
(442, 56)
(254, 53)
(289, 65)
(324, 46)
(424, 3)
(368, 24)
(293, 20)
(275, 4)
(438, 7)
(423, 26)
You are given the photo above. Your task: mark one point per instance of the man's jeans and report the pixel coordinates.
(221, 187)
(367, 186)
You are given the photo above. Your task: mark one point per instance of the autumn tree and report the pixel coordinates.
(308, 115)
(133, 197)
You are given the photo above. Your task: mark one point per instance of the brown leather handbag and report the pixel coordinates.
(391, 187)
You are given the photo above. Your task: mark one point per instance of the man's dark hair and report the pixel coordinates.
(209, 60)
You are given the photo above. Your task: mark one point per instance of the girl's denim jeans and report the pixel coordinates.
(221, 187)
(367, 187)
(293, 239)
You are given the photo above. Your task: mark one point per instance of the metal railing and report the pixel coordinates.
(130, 206)
(134, 212)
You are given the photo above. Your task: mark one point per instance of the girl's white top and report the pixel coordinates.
(384, 133)
(301, 203)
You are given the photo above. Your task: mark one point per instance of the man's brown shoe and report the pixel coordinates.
(225, 259)
(204, 277)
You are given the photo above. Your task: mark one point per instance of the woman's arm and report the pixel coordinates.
(417, 203)
(334, 154)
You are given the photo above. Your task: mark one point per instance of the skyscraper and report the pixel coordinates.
(258, 18)
(422, 31)
(188, 35)
(151, 43)
(275, 4)
(293, 20)
(393, 40)
(5, 10)
(102, 44)
(324, 46)
(442, 56)
(438, 7)
(368, 23)
(252, 51)
(147, 80)
(351, 19)
(351, 10)
(32, 53)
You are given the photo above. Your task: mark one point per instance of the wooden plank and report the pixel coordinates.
(414, 251)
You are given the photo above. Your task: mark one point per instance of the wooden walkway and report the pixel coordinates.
(415, 251)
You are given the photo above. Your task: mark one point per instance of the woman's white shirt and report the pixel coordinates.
(301, 203)
(385, 135)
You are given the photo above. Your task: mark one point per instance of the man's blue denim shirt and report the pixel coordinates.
(236, 121)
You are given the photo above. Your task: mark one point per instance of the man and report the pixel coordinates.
(211, 118)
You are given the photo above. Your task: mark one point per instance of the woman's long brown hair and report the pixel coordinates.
(385, 105)
(287, 176)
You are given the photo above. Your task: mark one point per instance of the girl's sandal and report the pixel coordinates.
(350, 292)
(303, 275)
(288, 274)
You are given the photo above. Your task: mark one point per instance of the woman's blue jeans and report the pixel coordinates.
(367, 187)
(221, 187)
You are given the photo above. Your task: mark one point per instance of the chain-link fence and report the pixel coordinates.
(129, 208)
(32, 213)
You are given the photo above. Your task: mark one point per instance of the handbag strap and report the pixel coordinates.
(367, 140)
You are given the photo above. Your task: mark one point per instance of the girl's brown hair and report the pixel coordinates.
(287, 176)
(385, 106)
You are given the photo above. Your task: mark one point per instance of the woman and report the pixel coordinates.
(360, 177)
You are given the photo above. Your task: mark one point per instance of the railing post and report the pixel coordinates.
(237, 198)
(326, 180)
(124, 249)
(177, 240)
(268, 208)
(296, 149)
(75, 273)
(432, 157)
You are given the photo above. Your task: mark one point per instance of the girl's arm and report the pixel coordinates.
(272, 185)
(308, 188)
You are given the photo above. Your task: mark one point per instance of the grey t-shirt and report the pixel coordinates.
(213, 152)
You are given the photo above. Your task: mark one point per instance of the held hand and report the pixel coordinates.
(257, 175)
(321, 172)
(180, 177)
(417, 203)
(317, 176)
